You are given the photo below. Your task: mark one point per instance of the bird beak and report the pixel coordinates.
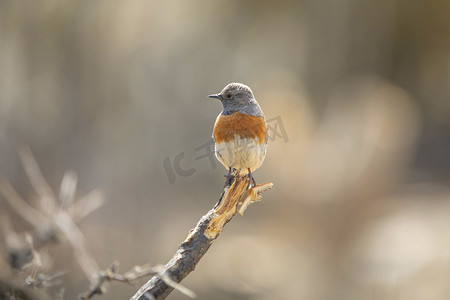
(217, 96)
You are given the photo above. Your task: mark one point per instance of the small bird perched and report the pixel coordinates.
(240, 131)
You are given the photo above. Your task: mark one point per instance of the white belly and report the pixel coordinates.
(241, 154)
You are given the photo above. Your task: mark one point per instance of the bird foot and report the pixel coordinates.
(231, 172)
(251, 179)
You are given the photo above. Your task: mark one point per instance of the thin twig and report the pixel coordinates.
(30, 214)
(86, 204)
(110, 274)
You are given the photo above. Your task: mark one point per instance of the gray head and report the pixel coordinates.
(238, 97)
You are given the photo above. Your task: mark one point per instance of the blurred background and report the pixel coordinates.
(358, 92)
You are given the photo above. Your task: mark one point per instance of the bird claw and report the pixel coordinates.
(231, 172)
(251, 180)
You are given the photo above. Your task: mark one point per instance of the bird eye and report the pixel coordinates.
(228, 95)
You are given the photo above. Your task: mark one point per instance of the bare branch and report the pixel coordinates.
(51, 218)
(201, 237)
(36, 178)
(77, 241)
(27, 212)
(86, 205)
(40, 280)
(68, 188)
(130, 277)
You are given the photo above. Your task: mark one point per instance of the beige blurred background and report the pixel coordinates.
(360, 207)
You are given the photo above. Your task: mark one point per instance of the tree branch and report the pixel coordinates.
(234, 199)
(53, 219)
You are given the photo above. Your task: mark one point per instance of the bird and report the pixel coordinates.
(240, 131)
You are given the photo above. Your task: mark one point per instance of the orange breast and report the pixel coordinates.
(242, 125)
